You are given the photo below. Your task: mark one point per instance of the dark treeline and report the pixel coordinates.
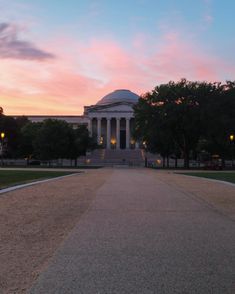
(51, 139)
(187, 120)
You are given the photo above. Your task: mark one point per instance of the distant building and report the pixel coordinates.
(110, 120)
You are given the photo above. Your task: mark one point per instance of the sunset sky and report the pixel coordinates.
(58, 55)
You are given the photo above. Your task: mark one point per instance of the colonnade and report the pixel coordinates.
(108, 131)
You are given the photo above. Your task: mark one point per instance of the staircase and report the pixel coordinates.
(115, 157)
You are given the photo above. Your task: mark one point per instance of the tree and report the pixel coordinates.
(53, 140)
(9, 126)
(173, 111)
(218, 116)
(80, 143)
(28, 134)
(151, 128)
(21, 121)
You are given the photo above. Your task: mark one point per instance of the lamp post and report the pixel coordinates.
(2, 139)
(232, 141)
(145, 155)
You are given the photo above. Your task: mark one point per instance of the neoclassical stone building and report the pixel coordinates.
(110, 120)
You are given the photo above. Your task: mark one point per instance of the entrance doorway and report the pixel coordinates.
(122, 139)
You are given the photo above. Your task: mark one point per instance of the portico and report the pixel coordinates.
(113, 132)
(111, 120)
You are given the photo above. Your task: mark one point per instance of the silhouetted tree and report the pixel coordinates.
(9, 126)
(218, 116)
(52, 140)
(173, 113)
(28, 133)
(80, 143)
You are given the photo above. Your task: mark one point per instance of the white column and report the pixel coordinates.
(98, 130)
(108, 133)
(90, 127)
(127, 133)
(117, 133)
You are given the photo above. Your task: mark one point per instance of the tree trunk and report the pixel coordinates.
(176, 162)
(167, 161)
(186, 160)
(145, 162)
(223, 163)
(198, 162)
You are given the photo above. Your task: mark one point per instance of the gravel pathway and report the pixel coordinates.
(35, 220)
(147, 232)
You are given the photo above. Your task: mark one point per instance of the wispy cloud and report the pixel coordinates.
(12, 47)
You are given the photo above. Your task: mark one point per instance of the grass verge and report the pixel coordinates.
(10, 178)
(221, 176)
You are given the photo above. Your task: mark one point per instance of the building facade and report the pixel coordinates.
(110, 120)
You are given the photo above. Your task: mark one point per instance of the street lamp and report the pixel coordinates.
(232, 141)
(2, 138)
(145, 155)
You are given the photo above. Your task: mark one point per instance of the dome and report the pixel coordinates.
(119, 96)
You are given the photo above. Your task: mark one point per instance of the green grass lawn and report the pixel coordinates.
(222, 176)
(14, 177)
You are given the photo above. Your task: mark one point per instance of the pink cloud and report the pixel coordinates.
(177, 58)
(83, 73)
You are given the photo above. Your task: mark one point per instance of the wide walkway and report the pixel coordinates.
(142, 235)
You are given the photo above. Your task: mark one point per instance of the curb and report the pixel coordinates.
(33, 183)
(208, 179)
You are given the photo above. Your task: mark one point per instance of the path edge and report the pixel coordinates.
(208, 179)
(9, 189)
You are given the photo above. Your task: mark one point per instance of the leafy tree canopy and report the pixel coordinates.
(176, 116)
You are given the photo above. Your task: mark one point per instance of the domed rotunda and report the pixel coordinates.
(119, 96)
(111, 120)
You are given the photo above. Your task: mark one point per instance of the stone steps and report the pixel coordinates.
(115, 157)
